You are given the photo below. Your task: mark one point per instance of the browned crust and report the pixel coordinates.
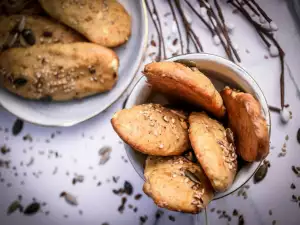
(149, 133)
(176, 79)
(175, 192)
(215, 154)
(248, 124)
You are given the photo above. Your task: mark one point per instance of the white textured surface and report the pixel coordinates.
(99, 204)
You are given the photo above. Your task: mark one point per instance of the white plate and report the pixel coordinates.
(221, 72)
(73, 112)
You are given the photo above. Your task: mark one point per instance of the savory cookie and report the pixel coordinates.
(104, 22)
(24, 31)
(189, 84)
(152, 129)
(58, 71)
(248, 124)
(214, 149)
(177, 184)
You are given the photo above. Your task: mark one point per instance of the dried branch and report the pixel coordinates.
(262, 12)
(158, 57)
(177, 24)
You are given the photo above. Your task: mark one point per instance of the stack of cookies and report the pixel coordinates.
(60, 49)
(194, 152)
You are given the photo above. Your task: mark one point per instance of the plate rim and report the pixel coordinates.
(72, 123)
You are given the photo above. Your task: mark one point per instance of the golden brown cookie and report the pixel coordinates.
(214, 150)
(248, 124)
(58, 71)
(191, 85)
(104, 22)
(152, 129)
(177, 184)
(31, 30)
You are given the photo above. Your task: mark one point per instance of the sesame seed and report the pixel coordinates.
(161, 146)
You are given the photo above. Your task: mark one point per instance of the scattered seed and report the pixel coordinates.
(104, 153)
(294, 198)
(122, 206)
(270, 212)
(298, 135)
(128, 188)
(71, 199)
(295, 170)
(17, 127)
(31, 161)
(235, 212)
(115, 179)
(99, 183)
(293, 186)
(4, 150)
(153, 43)
(175, 41)
(28, 36)
(47, 34)
(27, 137)
(135, 209)
(143, 219)
(172, 218)
(241, 220)
(13, 207)
(273, 222)
(260, 173)
(138, 196)
(192, 176)
(158, 213)
(20, 82)
(32, 208)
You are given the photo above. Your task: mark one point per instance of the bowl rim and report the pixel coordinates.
(227, 63)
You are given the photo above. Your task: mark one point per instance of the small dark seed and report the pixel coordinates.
(235, 212)
(153, 43)
(175, 41)
(273, 222)
(158, 214)
(128, 188)
(295, 170)
(135, 209)
(293, 186)
(261, 173)
(32, 208)
(13, 207)
(137, 196)
(17, 127)
(28, 36)
(298, 135)
(241, 220)
(294, 198)
(143, 219)
(20, 82)
(172, 218)
(270, 212)
(47, 34)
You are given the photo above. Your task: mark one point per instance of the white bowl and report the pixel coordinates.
(222, 72)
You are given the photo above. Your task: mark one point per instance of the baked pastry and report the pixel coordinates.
(177, 184)
(103, 22)
(189, 84)
(58, 71)
(248, 124)
(31, 30)
(152, 129)
(214, 149)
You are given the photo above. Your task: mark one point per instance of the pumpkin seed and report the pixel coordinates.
(4, 149)
(229, 135)
(298, 136)
(21, 24)
(138, 196)
(29, 36)
(13, 207)
(192, 176)
(186, 62)
(32, 208)
(71, 199)
(20, 82)
(17, 127)
(104, 152)
(261, 173)
(128, 188)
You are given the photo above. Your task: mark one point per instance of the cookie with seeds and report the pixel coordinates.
(214, 149)
(187, 83)
(177, 184)
(248, 124)
(152, 129)
(25, 31)
(103, 22)
(59, 71)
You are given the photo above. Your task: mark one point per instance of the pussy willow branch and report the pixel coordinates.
(189, 31)
(159, 36)
(159, 26)
(270, 36)
(177, 25)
